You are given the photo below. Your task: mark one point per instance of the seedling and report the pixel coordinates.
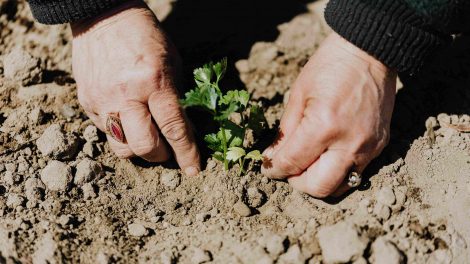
(228, 142)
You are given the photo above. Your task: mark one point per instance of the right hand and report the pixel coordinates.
(123, 63)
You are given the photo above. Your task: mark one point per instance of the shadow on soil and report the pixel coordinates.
(443, 86)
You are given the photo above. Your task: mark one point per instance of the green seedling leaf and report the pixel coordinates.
(213, 142)
(203, 75)
(218, 156)
(254, 155)
(241, 97)
(257, 121)
(235, 153)
(204, 96)
(220, 68)
(234, 134)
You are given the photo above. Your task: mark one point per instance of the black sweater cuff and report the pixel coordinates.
(66, 11)
(386, 29)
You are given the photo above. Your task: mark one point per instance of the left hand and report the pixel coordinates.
(337, 119)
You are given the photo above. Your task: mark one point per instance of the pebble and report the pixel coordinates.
(56, 176)
(89, 149)
(14, 200)
(87, 171)
(64, 220)
(33, 189)
(137, 230)
(201, 256)
(88, 191)
(12, 178)
(170, 179)
(91, 134)
(385, 252)
(292, 256)
(20, 66)
(36, 116)
(56, 144)
(242, 209)
(382, 212)
(340, 243)
(386, 196)
(255, 197)
(274, 244)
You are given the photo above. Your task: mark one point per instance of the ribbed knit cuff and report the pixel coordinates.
(66, 11)
(386, 29)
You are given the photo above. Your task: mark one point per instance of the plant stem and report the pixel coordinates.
(224, 143)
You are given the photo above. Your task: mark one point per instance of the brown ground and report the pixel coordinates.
(65, 198)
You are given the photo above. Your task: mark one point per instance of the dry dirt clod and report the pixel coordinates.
(340, 243)
(20, 66)
(255, 197)
(36, 116)
(91, 134)
(34, 190)
(137, 230)
(170, 179)
(384, 251)
(57, 176)
(292, 256)
(87, 171)
(242, 209)
(14, 200)
(274, 244)
(88, 191)
(440, 256)
(201, 256)
(386, 196)
(56, 144)
(46, 250)
(383, 212)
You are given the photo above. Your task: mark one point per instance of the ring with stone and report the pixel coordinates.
(354, 179)
(114, 128)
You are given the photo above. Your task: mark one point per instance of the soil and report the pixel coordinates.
(64, 197)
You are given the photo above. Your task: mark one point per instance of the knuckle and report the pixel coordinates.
(289, 166)
(143, 148)
(319, 191)
(174, 130)
(123, 153)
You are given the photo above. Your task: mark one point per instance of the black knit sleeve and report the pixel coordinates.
(389, 30)
(66, 11)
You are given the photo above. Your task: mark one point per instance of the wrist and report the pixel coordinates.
(108, 17)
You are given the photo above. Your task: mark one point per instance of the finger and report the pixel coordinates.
(141, 133)
(172, 122)
(120, 149)
(96, 120)
(291, 118)
(299, 151)
(324, 176)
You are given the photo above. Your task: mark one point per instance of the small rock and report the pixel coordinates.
(274, 244)
(36, 116)
(64, 220)
(56, 176)
(56, 144)
(242, 209)
(386, 196)
(87, 171)
(46, 251)
(170, 179)
(382, 211)
(340, 243)
(88, 191)
(12, 178)
(201, 256)
(89, 149)
(14, 200)
(255, 197)
(443, 119)
(292, 256)
(67, 111)
(34, 189)
(20, 66)
(137, 230)
(384, 251)
(91, 134)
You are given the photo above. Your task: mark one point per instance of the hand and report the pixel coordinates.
(337, 118)
(123, 63)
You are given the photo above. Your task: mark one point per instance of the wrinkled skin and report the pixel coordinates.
(124, 64)
(337, 119)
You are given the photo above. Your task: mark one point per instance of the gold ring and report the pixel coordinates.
(114, 128)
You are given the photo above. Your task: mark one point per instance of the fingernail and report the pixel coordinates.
(191, 171)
